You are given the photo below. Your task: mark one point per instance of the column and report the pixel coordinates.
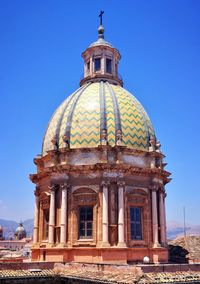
(103, 64)
(52, 215)
(121, 242)
(162, 218)
(36, 218)
(165, 222)
(105, 241)
(63, 222)
(154, 218)
(91, 66)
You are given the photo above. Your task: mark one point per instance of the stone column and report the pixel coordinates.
(52, 215)
(63, 222)
(155, 218)
(91, 66)
(103, 64)
(36, 218)
(121, 242)
(162, 218)
(165, 221)
(105, 241)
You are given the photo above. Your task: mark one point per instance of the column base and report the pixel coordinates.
(50, 245)
(156, 245)
(105, 244)
(121, 245)
(62, 245)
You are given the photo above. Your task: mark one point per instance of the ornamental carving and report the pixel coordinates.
(44, 203)
(85, 199)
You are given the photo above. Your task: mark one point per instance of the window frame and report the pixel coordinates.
(97, 58)
(46, 212)
(85, 223)
(134, 223)
(110, 60)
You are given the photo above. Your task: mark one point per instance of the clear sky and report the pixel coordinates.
(40, 64)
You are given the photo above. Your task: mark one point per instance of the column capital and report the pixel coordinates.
(52, 187)
(121, 183)
(154, 187)
(105, 183)
(64, 186)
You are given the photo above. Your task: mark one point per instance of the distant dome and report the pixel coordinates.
(81, 115)
(20, 232)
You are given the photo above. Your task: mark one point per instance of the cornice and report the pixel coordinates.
(85, 169)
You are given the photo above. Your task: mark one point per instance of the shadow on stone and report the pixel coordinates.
(177, 254)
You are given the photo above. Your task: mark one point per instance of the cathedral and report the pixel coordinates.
(100, 181)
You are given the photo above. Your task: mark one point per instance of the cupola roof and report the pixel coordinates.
(101, 111)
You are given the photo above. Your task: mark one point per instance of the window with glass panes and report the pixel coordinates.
(85, 222)
(97, 64)
(108, 65)
(135, 223)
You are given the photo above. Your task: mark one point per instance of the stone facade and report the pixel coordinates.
(63, 186)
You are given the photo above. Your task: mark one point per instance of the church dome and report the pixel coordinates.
(98, 107)
(20, 232)
(101, 111)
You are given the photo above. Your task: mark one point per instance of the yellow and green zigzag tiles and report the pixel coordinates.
(110, 118)
(85, 125)
(85, 128)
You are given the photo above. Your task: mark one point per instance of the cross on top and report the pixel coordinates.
(101, 16)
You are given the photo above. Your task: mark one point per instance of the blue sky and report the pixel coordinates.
(40, 64)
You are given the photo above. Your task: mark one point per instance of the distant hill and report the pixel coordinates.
(9, 227)
(174, 229)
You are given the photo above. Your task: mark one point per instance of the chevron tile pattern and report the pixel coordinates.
(134, 132)
(85, 128)
(85, 122)
(110, 117)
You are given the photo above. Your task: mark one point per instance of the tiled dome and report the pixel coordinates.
(96, 107)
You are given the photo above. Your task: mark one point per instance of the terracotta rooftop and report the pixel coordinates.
(188, 247)
(112, 276)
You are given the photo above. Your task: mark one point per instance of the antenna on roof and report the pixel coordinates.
(184, 227)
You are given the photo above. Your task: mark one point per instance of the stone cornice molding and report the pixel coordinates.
(59, 178)
(52, 154)
(113, 170)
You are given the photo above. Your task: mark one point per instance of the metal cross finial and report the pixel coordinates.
(100, 16)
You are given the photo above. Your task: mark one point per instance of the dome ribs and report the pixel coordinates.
(116, 111)
(47, 136)
(70, 115)
(103, 123)
(63, 113)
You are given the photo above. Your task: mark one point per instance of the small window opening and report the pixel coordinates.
(108, 65)
(97, 63)
(46, 224)
(88, 66)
